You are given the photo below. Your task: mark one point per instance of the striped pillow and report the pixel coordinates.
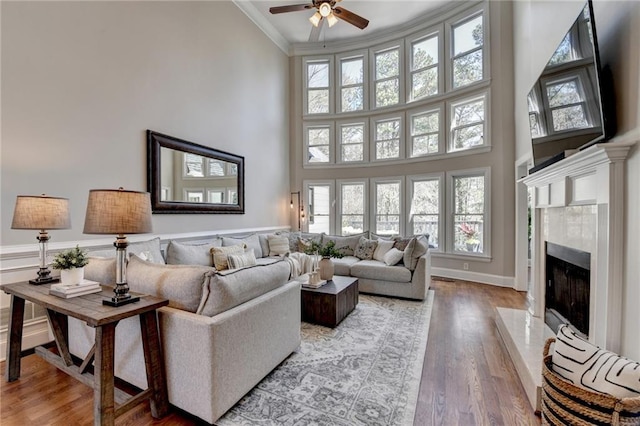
(243, 260)
(220, 255)
(278, 245)
(589, 367)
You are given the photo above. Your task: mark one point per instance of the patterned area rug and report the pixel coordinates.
(364, 372)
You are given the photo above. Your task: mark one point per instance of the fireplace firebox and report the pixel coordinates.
(568, 288)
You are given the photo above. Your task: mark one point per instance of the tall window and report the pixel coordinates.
(352, 142)
(424, 214)
(352, 208)
(468, 42)
(387, 77)
(425, 133)
(352, 84)
(319, 144)
(469, 213)
(387, 208)
(318, 87)
(424, 67)
(319, 205)
(467, 123)
(387, 139)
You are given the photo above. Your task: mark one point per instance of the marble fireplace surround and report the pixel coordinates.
(579, 203)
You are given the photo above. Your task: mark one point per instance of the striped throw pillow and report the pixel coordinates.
(278, 245)
(243, 260)
(220, 255)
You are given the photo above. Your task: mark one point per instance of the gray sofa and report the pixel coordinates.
(221, 334)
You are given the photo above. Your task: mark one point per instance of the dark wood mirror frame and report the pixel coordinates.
(157, 141)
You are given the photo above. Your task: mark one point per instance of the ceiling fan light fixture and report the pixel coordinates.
(331, 20)
(325, 9)
(315, 19)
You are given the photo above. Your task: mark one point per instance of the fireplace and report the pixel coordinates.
(568, 288)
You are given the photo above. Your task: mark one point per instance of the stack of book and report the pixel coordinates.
(66, 291)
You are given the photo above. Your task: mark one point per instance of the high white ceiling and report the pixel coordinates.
(295, 27)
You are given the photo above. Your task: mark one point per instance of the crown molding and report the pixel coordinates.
(261, 22)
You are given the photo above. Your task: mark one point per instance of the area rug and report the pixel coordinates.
(364, 372)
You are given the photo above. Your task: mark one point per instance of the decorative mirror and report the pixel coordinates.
(184, 177)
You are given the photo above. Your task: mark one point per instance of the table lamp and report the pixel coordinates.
(120, 212)
(41, 213)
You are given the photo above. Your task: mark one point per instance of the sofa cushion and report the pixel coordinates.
(417, 247)
(191, 254)
(392, 257)
(365, 248)
(241, 260)
(292, 237)
(278, 245)
(375, 270)
(101, 269)
(183, 285)
(589, 367)
(382, 248)
(345, 245)
(149, 250)
(251, 242)
(264, 244)
(220, 255)
(343, 266)
(233, 287)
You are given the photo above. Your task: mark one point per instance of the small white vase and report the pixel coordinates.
(73, 276)
(326, 268)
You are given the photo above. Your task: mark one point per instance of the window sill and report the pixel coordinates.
(461, 256)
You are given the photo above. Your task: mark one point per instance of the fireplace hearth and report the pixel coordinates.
(568, 288)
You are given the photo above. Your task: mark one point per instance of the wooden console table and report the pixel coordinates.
(109, 402)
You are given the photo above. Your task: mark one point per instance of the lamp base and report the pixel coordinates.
(120, 301)
(47, 280)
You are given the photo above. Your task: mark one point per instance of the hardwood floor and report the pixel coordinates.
(467, 379)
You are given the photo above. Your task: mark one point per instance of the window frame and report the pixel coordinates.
(365, 140)
(330, 75)
(338, 220)
(396, 44)
(305, 153)
(450, 214)
(306, 185)
(442, 124)
(440, 177)
(373, 199)
(434, 31)
(373, 142)
(486, 137)
(339, 58)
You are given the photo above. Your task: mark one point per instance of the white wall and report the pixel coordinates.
(83, 81)
(538, 28)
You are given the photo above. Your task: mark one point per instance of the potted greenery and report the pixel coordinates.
(71, 264)
(327, 251)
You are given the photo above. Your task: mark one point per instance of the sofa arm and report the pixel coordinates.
(421, 278)
(211, 362)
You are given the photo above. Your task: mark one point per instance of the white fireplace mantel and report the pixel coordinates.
(594, 176)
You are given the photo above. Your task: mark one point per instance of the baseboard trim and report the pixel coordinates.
(34, 333)
(478, 277)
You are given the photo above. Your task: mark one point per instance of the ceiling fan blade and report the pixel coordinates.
(350, 17)
(290, 8)
(314, 36)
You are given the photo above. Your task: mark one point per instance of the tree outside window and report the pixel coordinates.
(467, 124)
(424, 68)
(425, 133)
(387, 77)
(319, 140)
(352, 142)
(469, 213)
(352, 84)
(387, 214)
(424, 215)
(387, 137)
(352, 208)
(468, 41)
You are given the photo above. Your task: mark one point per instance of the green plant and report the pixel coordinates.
(72, 258)
(328, 250)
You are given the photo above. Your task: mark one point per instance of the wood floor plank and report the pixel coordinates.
(467, 379)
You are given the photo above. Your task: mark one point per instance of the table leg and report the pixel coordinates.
(14, 345)
(154, 364)
(103, 383)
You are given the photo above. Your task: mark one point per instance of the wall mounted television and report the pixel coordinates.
(571, 105)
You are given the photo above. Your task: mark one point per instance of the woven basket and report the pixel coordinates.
(566, 404)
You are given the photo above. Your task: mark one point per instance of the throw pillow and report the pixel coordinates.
(250, 241)
(190, 254)
(589, 367)
(345, 245)
(382, 236)
(278, 245)
(382, 248)
(220, 255)
(393, 256)
(101, 269)
(401, 243)
(183, 285)
(417, 247)
(292, 237)
(149, 250)
(365, 248)
(243, 260)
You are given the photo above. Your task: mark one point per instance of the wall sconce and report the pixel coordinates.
(41, 213)
(300, 208)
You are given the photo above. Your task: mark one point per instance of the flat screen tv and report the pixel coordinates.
(571, 105)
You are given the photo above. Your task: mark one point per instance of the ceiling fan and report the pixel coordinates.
(325, 10)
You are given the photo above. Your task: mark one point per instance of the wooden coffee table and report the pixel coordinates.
(331, 303)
